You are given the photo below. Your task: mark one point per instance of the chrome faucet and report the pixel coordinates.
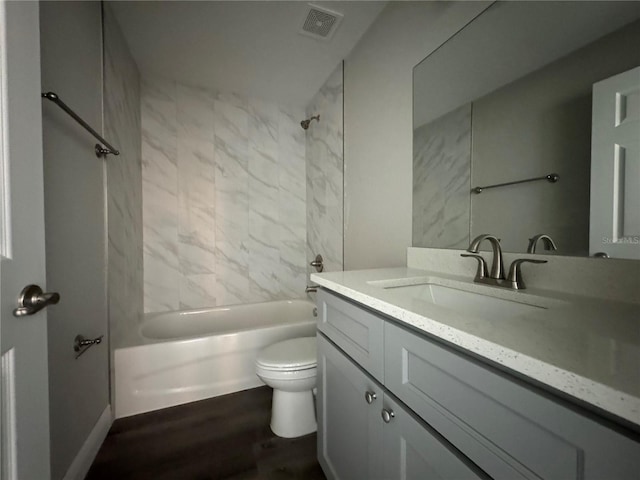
(497, 267)
(547, 243)
(514, 280)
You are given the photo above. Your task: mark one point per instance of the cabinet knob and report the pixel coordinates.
(387, 415)
(370, 397)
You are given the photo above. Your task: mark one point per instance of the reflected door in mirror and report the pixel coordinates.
(615, 167)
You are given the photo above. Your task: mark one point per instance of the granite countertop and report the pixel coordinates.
(586, 348)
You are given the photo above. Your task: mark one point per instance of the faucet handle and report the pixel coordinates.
(515, 272)
(482, 265)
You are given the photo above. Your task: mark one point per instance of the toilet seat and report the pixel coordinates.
(289, 355)
(287, 375)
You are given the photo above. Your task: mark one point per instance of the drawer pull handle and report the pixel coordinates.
(387, 415)
(370, 397)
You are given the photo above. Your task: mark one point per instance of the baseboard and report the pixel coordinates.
(81, 464)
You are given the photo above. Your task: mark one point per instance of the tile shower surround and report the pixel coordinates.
(325, 173)
(224, 198)
(124, 185)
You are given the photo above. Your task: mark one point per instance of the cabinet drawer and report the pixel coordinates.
(508, 429)
(356, 331)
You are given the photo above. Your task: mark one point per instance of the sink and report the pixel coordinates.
(464, 302)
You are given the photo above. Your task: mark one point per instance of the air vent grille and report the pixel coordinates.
(320, 23)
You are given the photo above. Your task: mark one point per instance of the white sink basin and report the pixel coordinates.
(464, 302)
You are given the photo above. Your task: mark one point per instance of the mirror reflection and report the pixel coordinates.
(507, 104)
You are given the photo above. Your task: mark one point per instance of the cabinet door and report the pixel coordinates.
(349, 428)
(414, 451)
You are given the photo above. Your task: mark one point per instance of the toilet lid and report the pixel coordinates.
(296, 353)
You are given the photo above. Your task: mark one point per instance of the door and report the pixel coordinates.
(349, 423)
(25, 409)
(615, 167)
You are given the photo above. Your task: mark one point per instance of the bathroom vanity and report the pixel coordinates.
(423, 376)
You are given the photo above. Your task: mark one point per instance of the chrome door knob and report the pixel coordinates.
(387, 415)
(33, 299)
(370, 397)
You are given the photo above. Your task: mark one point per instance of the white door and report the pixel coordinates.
(615, 167)
(24, 394)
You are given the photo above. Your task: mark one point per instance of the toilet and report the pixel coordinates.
(289, 367)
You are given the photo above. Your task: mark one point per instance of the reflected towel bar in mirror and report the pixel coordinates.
(551, 178)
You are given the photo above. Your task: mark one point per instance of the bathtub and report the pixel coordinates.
(191, 355)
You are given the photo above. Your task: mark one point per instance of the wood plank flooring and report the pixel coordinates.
(226, 437)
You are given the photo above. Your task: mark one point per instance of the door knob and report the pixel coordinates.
(33, 299)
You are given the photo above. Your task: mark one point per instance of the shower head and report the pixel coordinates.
(305, 123)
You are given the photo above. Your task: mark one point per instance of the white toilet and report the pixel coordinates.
(289, 367)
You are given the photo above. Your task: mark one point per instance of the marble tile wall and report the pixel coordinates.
(325, 174)
(223, 197)
(441, 181)
(124, 185)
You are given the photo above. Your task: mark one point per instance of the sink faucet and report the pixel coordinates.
(514, 280)
(547, 243)
(497, 268)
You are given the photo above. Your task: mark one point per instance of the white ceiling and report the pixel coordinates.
(248, 47)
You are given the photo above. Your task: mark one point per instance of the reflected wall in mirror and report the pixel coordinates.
(510, 98)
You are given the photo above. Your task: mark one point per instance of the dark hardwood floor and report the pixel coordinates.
(226, 437)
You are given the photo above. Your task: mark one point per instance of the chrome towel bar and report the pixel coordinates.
(551, 178)
(100, 150)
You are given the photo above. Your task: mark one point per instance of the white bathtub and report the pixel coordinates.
(196, 354)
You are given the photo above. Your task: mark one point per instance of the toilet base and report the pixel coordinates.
(293, 414)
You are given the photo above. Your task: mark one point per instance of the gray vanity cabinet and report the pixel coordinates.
(509, 429)
(454, 416)
(349, 428)
(355, 442)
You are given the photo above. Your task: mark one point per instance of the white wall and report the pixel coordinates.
(75, 227)
(379, 125)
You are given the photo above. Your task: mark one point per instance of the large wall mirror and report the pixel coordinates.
(510, 98)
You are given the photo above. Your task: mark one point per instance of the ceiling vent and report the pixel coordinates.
(320, 23)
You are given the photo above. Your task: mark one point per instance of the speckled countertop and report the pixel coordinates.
(586, 348)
